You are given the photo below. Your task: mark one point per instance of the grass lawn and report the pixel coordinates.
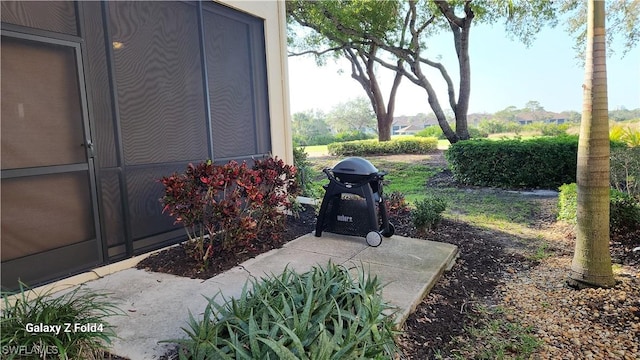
(406, 177)
(481, 207)
(316, 150)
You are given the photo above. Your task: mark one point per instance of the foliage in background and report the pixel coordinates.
(622, 19)
(325, 313)
(428, 212)
(431, 131)
(496, 126)
(396, 204)
(75, 307)
(534, 163)
(310, 128)
(347, 121)
(229, 206)
(393, 35)
(331, 138)
(554, 129)
(624, 210)
(305, 173)
(352, 116)
(405, 145)
(624, 214)
(625, 170)
(436, 131)
(568, 202)
(625, 134)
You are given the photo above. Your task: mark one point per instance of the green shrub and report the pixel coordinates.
(428, 212)
(625, 170)
(476, 133)
(325, 313)
(492, 126)
(352, 136)
(554, 129)
(624, 210)
(404, 145)
(436, 131)
(624, 213)
(324, 139)
(515, 163)
(626, 135)
(71, 310)
(568, 202)
(431, 131)
(305, 172)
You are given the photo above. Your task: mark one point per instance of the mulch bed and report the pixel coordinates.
(175, 260)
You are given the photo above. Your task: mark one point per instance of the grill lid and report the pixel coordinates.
(354, 166)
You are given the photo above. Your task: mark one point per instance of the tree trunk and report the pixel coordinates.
(384, 126)
(367, 78)
(462, 107)
(591, 263)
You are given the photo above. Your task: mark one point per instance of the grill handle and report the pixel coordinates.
(375, 176)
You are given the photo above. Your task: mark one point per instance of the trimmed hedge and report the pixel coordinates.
(408, 145)
(545, 162)
(624, 210)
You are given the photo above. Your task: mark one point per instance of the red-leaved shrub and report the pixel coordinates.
(230, 206)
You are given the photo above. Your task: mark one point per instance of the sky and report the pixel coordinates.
(504, 72)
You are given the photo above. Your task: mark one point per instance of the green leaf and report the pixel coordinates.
(281, 351)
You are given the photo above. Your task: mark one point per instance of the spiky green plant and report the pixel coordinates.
(325, 313)
(83, 332)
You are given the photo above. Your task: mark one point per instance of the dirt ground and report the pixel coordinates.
(498, 276)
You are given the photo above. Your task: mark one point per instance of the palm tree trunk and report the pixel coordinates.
(591, 263)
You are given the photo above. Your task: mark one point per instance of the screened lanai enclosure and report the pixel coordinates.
(100, 99)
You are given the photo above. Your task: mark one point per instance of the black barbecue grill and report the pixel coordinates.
(353, 203)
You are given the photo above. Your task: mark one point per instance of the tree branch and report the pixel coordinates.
(316, 52)
(400, 69)
(358, 73)
(448, 12)
(394, 89)
(450, 89)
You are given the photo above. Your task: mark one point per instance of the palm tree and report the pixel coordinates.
(591, 263)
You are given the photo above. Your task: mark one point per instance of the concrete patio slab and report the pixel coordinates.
(157, 305)
(275, 261)
(329, 244)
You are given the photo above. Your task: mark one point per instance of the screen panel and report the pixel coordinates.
(56, 16)
(99, 91)
(230, 85)
(41, 121)
(41, 213)
(112, 215)
(159, 81)
(145, 210)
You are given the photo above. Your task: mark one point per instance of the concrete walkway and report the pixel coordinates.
(157, 305)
